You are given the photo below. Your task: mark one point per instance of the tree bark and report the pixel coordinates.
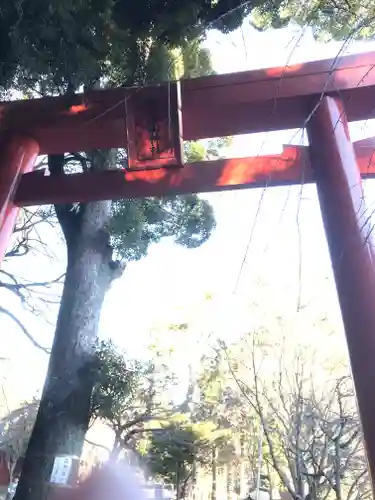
(230, 481)
(116, 450)
(194, 480)
(178, 481)
(337, 469)
(64, 412)
(214, 473)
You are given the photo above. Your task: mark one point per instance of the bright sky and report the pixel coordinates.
(287, 261)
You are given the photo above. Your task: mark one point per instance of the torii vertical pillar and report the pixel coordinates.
(18, 156)
(348, 229)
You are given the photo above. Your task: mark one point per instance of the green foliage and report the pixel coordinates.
(178, 327)
(61, 45)
(136, 224)
(172, 22)
(194, 151)
(117, 382)
(129, 396)
(196, 61)
(330, 19)
(189, 60)
(54, 43)
(206, 150)
(161, 64)
(175, 448)
(189, 220)
(215, 147)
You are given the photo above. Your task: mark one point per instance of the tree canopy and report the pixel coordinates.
(137, 223)
(174, 451)
(57, 46)
(329, 19)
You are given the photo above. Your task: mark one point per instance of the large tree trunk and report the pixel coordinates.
(213, 472)
(116, 450)
(64, 412)
(178, 481)
(230, 480)
(337, 469)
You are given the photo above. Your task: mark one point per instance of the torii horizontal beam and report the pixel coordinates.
(213, 106)
(291, 167)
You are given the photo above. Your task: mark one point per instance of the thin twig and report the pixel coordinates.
(24, 330)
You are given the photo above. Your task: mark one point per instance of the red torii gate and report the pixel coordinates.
(150, 122)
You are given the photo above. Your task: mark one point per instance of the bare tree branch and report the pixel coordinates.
(311, 428)
(24, 330)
